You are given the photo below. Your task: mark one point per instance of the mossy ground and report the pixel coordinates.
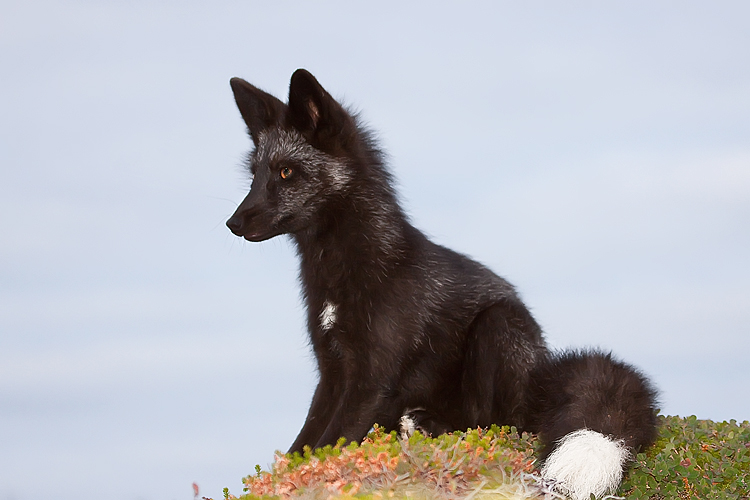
(692, 459)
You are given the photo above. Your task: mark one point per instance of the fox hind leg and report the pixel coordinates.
(504, 344)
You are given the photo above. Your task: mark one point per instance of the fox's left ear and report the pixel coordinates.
(317, 115)
(259, 109)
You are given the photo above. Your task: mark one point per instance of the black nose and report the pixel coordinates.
(235, 224)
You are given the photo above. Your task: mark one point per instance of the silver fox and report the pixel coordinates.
(401, 326)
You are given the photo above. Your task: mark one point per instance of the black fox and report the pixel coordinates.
(405, 330)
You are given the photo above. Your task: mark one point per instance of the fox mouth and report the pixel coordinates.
(253, 234)
(257, 230)
(256, 237)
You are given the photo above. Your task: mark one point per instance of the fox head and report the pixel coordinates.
(302, 159)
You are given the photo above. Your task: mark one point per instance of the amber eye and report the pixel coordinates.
(286, 172)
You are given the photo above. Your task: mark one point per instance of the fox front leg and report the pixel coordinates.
(358, 412)
(326, 399)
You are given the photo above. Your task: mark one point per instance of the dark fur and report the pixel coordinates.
(419, 328)
(589, 389)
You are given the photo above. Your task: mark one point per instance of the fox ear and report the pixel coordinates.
(317, 115)
(259, 109)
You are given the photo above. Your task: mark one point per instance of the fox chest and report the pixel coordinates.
(344, 329)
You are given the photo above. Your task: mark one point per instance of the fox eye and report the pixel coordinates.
(286, 172)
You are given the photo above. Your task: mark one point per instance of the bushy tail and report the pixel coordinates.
(594, 413)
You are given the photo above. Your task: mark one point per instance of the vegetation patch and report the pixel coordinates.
(692, 459)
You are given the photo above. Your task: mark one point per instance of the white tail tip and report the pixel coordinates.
(586, 462)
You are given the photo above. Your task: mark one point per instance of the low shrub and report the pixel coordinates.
(692, 459)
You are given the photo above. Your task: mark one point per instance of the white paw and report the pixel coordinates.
(407, 426)
(586, 462)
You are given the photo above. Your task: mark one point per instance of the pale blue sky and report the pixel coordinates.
(597, 154)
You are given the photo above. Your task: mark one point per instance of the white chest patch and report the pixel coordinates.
(328, 316)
